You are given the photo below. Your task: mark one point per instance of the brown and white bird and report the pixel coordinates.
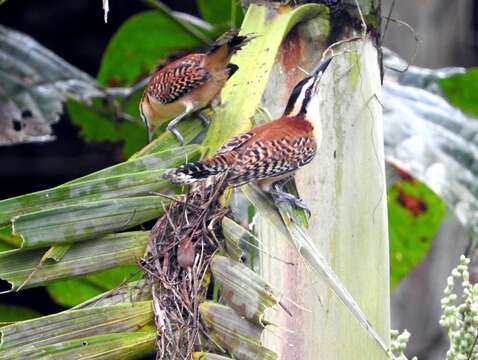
(188, 84)
(268, 153)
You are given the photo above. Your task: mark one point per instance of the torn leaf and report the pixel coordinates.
(34, 83)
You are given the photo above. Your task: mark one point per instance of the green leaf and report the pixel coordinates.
(56, 253)
(73, 324)
(164, 157)
(190, 129)
(115, 187)
(240, 337)
(7, 240)
(80, 222)
(115, 346)
(415, 214)
(127, 179)
(76, 291)
(234, 236)
(12, 313)
(96, 127)
(127, 293)
(209, 356)
(225, 13)
(131, 55)
(462, 91)
(137, 46)
(283, 224)
(83, 258)
(242, 289)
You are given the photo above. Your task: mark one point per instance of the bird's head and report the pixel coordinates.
(304, 91)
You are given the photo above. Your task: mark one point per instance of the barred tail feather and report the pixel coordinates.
(232, 41)
(192, 172)
(231, 69)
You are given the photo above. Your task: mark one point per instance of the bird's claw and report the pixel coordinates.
(283, 197)
(176, 133)
(204, 120)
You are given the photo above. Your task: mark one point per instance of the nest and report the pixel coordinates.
(176, 263)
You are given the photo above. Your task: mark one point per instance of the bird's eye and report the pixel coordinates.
(308, 92)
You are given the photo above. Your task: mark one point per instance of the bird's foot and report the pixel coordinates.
(171, 127)
(280, 196)
(204, 120)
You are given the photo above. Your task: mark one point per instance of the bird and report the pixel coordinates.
(189, 84)
(270, 153)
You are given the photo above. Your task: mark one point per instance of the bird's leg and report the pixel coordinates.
(204, 119)
(279, 196)
(149, 134)
(172, 125)
(149, 130)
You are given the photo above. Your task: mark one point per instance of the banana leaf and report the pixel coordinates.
(163, 157)
(124, 345)
(129, 185)
(83, 258)
(190, 129)
(242, 289)
(128, 293)
(208, 356)
(131, 178)
(80, 222)
(234, 236)
(73, 324)
(240, 337)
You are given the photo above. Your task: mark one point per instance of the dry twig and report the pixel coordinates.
(182, 243)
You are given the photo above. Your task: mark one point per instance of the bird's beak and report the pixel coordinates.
(319, 70)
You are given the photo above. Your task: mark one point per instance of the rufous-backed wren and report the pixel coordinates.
(188, 84)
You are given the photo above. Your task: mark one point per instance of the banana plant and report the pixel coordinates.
(337, 257)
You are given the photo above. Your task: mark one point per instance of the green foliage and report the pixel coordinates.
(22, 338)
(75, 291)
(30, 268)
(96, 127)
(222, 13)
(7, 240)
(118, 346)
(69, 224)
(138, 45)
(414, 214)
(462, 91)
(11, 313)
